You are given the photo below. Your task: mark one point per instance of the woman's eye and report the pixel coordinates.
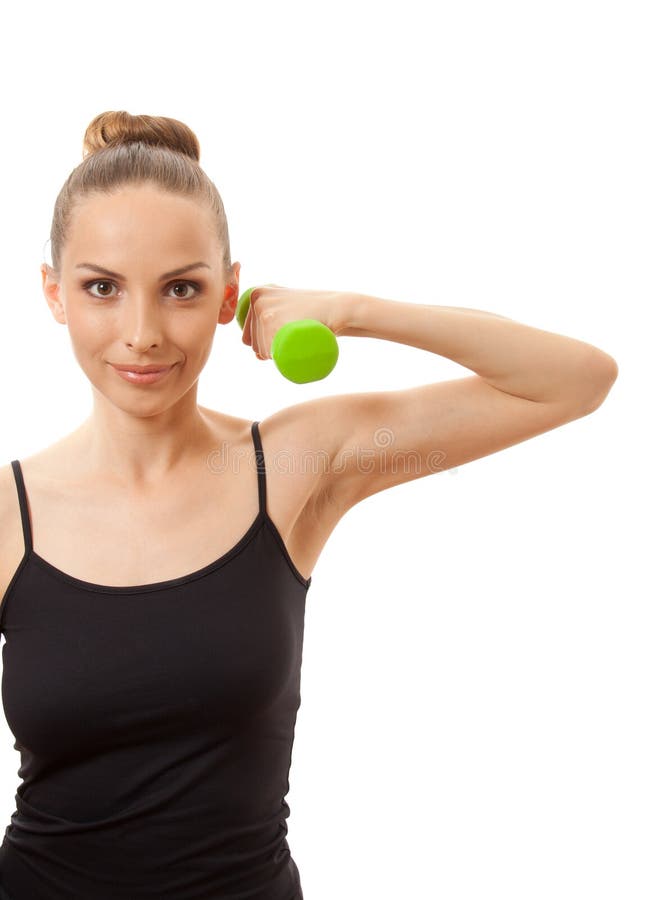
(179, 285)
(186, 284)
(92, 283)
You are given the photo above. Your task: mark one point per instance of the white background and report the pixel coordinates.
(482, 675)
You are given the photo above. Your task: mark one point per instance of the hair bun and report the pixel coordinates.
(119, 127)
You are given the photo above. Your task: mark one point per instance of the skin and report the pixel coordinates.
(137, 435)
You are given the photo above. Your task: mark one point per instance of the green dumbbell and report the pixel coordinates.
(303, 351)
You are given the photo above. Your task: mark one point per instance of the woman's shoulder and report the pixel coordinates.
(8, 493)
(299, 428)
(12, 544)
(46, 463)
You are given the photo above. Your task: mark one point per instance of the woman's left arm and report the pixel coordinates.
(527, 381)
(514, 358)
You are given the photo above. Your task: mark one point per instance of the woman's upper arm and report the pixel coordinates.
(374, 440)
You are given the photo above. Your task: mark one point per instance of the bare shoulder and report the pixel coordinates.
(297, 454)
(301, 443)
(46, 462)
(304, 439)
(12, 547)
(8, 502)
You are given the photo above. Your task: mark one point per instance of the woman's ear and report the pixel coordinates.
(231, 295)
(229, 304)
(51, 288)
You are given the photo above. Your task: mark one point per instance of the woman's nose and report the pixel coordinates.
(141, 322)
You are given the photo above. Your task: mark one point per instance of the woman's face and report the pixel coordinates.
(136, 315)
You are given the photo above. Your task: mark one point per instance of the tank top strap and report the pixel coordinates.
(260, 465)
(23, 503)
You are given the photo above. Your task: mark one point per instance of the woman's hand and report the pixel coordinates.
(272, 306)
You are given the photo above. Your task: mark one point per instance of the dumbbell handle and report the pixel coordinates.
(303, 351)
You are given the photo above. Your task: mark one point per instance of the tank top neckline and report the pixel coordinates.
(261, 518)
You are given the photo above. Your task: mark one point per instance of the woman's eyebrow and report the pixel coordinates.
(103, 271)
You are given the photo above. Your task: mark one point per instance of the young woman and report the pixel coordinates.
(156, 560)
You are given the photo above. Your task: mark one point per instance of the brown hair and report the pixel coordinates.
(120, 149)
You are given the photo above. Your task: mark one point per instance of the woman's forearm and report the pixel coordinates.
(515, 358)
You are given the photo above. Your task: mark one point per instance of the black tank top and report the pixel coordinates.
(155, 725)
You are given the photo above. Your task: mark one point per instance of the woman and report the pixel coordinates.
(152, 685)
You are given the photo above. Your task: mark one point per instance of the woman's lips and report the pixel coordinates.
(138, 376)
